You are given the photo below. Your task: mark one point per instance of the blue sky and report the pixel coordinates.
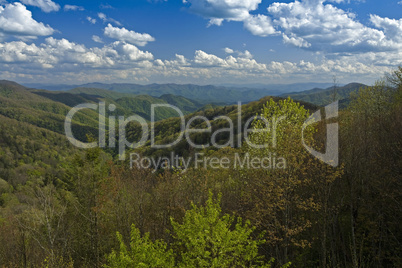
(199, 41)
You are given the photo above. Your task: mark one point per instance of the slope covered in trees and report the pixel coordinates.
(62, 207)
(326, 96)
(137, 104)
(18, 102)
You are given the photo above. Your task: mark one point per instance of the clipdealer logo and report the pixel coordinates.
(330, 157)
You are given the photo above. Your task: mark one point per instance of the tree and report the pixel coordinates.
(395, 78)
(285, 200)
(206, 239)
(84, 177)
(371, 146)
(142, 253)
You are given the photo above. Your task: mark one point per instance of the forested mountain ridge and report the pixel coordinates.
(22, 104)
(99, 92)
(276, 89)
(326, 96)
(134, 103)
(218, 94)
(168, 130)
(202, 94)
(26, 149)
(65, 207)
(34, 105)
(227, 94)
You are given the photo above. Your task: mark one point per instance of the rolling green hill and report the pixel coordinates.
(139, 104)
(41, 111)
(68, 99)
(99, 92)
(186, 105)
(322, 97)
(126, 104)
(19, 103)
(167, 131)
(26, 149)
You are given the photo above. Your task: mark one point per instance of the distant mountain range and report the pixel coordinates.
(281, 88)
(322, 97)
(204, 94)
(275, 88)
(135, 98)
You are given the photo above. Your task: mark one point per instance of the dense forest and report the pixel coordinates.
(61, 206)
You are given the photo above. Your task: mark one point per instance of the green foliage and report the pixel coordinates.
(141, 105)
(99, 93)
(282, 199)
(142, 253)
(324, 97)
(206, 238)
(371, 100)
(394, 79)
(68, 99)
(130, 104)
(371, 145)
(61, 207)
(19, 103)
(27, 150)
(282, 125)
(167, 131)
(184, 104)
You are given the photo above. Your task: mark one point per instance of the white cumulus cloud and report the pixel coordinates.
(260, 25)
(65, 55)
(219, 10)
(63, 60)
(73, 8)
(91, 20)
(391, 27)
(130, 52)
(178, 62)
(97, 39)
(102, 16)
(45, 5)
(105, 19)
(16, 20)
(324, 27)
(316, 25)
(244, 62)
(296, 41)
(128, 36)
(228, 50)
(205, 59)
